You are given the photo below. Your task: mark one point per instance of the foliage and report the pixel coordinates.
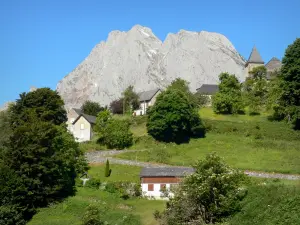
(255, 90)
(201, 100)
(125, 190)
(100, 127)
(46, 104)
(92, 216)
(117, 134)
(41, 158)
(274, 93)
(289, 102)
(107, 169)
(93, 183)
(173, 119)
(228, 100)
(131, 100)
(5, 130)
(116, 106)
(183, 86)
(91, 108)
(207, 196)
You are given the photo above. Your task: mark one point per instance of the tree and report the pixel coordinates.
(101, 124)
(91, 108)
(117, 134)
(183, 86)
(107, 169)
(131, 100)
(212, 193)
(45, 103)
(116, 106)
(201, 100)
(5, 130)
(289, 102)
(255, 90)
(173, 119)
(41, 153)
(228, 100)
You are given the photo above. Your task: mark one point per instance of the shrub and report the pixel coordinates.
(116, 106)
(173, 119)
(92, 216)
(107, 170)
(118, 135)
(93, 183)
(228, 100)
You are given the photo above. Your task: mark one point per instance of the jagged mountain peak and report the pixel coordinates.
(139, 58)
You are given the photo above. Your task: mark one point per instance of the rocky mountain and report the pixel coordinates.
(139, 58)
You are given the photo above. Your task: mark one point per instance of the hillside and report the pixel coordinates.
(141, 59)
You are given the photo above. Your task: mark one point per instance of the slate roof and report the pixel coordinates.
(147, 95)
(255, 57)
(166, 171)
(89, 118)
(209, 89)
(273, 64)
(78, 111)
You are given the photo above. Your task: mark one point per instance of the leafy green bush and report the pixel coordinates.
(228, 100)
(118, 135)
(92, 216)
(124, 188)
(93, 183)
(173, 119)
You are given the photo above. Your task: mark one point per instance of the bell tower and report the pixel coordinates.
(254, 60)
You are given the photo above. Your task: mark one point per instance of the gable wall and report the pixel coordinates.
(82, 134)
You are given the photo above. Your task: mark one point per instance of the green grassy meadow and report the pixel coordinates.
(280, 194)
(245, 142)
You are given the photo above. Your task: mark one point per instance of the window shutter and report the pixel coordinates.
(150, 187)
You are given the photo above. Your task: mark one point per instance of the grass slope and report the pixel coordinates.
(269, 205)
(114, 209)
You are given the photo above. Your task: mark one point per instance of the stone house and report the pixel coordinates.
(256, 60)
(146, 98)
(80, 125)
(154, 180)
(208, 90)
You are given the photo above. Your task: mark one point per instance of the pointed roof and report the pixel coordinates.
(255, 57)
(147, 95)
(273, 64)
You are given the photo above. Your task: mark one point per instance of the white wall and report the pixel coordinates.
(82, 130)
(156, 193)
(144, 105)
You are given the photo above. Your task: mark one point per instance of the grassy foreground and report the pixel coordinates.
(114, 210)
(268, 201)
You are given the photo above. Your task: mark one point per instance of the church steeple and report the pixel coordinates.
(254, 60)
(255, 57)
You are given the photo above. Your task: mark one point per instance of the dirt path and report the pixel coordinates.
(102, 156)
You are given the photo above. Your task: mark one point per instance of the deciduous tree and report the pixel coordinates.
(91, 108)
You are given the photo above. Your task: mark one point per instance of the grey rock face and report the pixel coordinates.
(139, 58)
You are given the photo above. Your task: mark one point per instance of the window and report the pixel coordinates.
(82, 126)
(150, 187)
(162, 187)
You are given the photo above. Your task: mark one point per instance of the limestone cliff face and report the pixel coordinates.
(139, 58)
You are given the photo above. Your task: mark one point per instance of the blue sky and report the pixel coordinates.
(42, 41)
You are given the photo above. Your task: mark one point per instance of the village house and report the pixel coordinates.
(154, 180)
(208, 90)
(80, 124)
(256, 60)
(146, 98)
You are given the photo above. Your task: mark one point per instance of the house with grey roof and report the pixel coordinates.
(155, 180)
(80, 124)
(256, 60)
(208, 90)
(146, 98)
